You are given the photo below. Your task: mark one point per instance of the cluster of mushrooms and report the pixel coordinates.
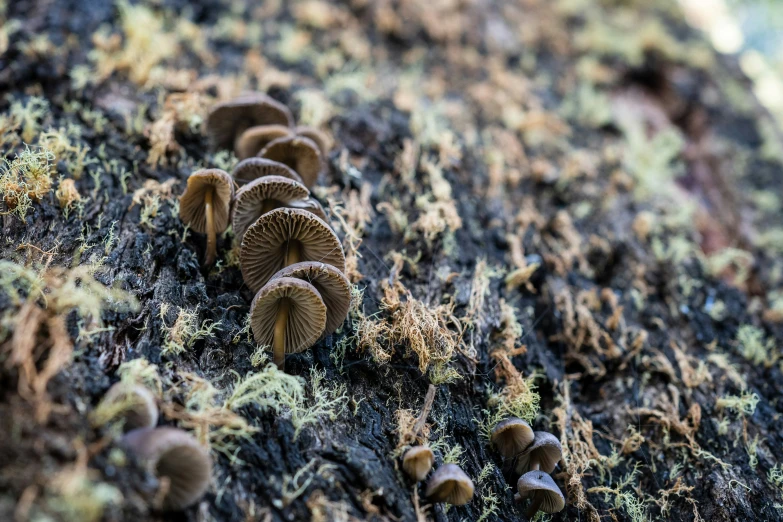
(183, 466)
(289, 255)
(448, 483)
(531, 455)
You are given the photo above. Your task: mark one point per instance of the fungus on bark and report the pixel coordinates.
(512, 436)
(135, 404)
(299, 153)
(251, 169)
(539, 487)
(205, 206)
(283, 237)
(177, 459)
(334, 287)
(417, 462)
(451, 485)
(261, 196)
(228, 120)
(289, 315)
(543, 453)
(254, 139)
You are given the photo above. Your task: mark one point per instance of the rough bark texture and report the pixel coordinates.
(588, 171)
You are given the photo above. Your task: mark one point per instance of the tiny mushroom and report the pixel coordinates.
(175, 457)
(332, 285)
(542, 490)
(450, 484)
(299, 153)
(256, 138)
(134, 403)
(251, 169)
(317, 137)
(512, 436)
(283, 237)
(289, 315)
(205, 206)
(262, 195)
(417, 462)
(544, 454)
(228, 120)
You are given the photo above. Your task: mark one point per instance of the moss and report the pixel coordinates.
(185, 331)
(744, 404)
(25, 179)
(755, 347)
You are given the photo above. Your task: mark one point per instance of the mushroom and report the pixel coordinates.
(250, 142)
(417, 462)
(542, 490)
(134, 403)
(512, 436)
(250, 169)
(299, 153)
(228, 120)
(176, 458)
(262, 195)
(311, 205)
(332, 285)
(544, 454)
(283, 237)
(319, 138)
(205, 206)
(289, 315)
(450, 484)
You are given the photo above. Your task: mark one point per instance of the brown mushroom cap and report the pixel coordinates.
(333, 286)
(542, 490)
(266, 243)
(135, 404)
(191, 203)
(256, 138)
(417, 462)
(250, 169)
(512, 436)
(299, 153)
(545, 450)
(319, 138)
(176, 455)
(311, 205)
(450, 484)
(228, 119)
(251, 199)
(306, 313)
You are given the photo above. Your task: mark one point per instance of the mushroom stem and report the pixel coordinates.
(211, 232)
(535, 465)
(535, 506)
(293, 254)
(279, 336)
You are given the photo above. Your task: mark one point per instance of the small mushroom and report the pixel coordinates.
(134, 403)
(542, 490)
(311, 205)
(283, 237)
(256, 138)
(333, 286)
(228, 120)
(512, 436)
(251, 169)
(205, 206)
(544, 454)
(299, 153)
(289, 315)
(417, 462)
(319, 138)
(175, 457)
(450, 484)
(262, 195)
